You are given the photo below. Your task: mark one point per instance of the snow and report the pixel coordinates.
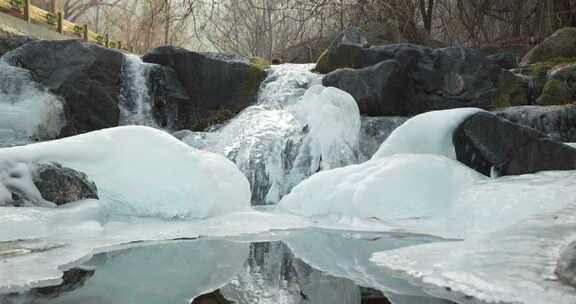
(427, 133)
(138, 171)
(27, 110)
(391, 188)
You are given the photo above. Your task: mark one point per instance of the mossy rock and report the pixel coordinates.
(539, 71)
(345, 51)
(560, 44)
(556, 92)
(514, 91)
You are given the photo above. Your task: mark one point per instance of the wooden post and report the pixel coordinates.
(60, 23)
(53, 6)
(107, 41)
(86, 32)
(27, 16)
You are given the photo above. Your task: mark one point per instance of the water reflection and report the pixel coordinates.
(308, 266)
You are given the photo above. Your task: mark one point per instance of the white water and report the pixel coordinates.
(287, 135)
(28, 112)
(135, 101)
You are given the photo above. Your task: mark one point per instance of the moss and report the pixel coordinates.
(539, 71)
(513, 92)
(323, 64)
(555, 93)
(219, 117)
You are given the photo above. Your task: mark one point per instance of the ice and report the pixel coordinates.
(430, 132)
(296, 128)
(512, 265)
(138, 171)
(139, 273)
(399, 187)
(134, 101)
(28, 111)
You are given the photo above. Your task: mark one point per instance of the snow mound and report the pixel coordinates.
(138, 171)
(512, 265)
(427, 133)
(392, 188)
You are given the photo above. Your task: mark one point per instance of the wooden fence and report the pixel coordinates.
(24, 10)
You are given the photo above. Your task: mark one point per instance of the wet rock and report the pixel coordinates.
(558, 122)
(489, 144)
(561, 44)
(85, 75)
(167, 93)
(62, 185)
(344, 51)
(566, 267)
(218, 85)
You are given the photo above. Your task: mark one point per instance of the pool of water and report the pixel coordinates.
(297, 266)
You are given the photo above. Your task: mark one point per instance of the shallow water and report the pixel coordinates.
(297, 266)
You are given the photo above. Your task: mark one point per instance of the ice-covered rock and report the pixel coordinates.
(374, 131)
(138, 170)
(391, 188)
(61, 185)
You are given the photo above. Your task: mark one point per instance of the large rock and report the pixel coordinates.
(11, 42)
(490, 144)
(381, 89)
(219, 85)
(86, 76)
(61, 185)
(566, 267)
(55, 184)
(562, 44)
(504, 60)
(168, 95)
(433, 79)
(344, 52)
(558, 122)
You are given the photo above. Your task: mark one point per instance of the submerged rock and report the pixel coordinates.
(218, 85)
(558, 122)
(490, 144)
(566, 267)
(561, 44)
(86, 76)
(62, 185)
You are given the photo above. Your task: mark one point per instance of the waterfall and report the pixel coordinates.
(135, 101)
(279, 141)
(28, 112)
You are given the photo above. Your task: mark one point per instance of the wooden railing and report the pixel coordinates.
(24, 10)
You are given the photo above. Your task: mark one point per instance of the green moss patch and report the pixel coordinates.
(513, 92)
(555, 93)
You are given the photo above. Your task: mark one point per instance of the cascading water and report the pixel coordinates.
(28, 112)
(135, 101)
(287, 135)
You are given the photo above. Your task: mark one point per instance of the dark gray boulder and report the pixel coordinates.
(433, 79)
(218, 85)
(86, 76)
(566, 267)
(558, 122)
(487, 143)
(61, 185)
(11, 42)
(381, 89)
(168, 95)
(343, 52)
(504, 60)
